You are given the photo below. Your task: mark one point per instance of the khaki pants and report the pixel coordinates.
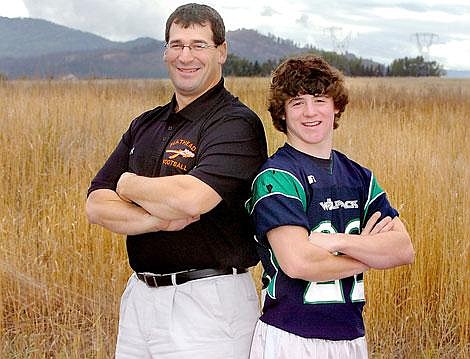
(208, 318)
(272, 343)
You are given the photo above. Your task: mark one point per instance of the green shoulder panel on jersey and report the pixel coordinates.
(273, 181)
(374, 192)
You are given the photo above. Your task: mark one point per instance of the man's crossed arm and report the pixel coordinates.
(143, 204)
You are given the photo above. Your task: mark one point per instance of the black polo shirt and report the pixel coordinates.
(215, 138)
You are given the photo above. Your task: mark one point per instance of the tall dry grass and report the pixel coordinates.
(61, 279)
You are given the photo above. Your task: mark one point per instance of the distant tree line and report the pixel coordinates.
(282, 42)
(349, 65)
(237, 66)
(417, 67)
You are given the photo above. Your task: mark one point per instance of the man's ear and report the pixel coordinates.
(222, 48)
(164, 56)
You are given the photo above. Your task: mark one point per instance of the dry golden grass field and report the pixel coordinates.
(61, 278)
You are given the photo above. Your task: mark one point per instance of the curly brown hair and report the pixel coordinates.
(301, 75)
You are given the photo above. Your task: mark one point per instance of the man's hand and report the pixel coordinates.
(122, 179)
(176, 224)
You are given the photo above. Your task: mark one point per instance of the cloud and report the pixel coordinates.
(14, 9)
(453, 54)
(380, 29)
(302, 20)
(268, 11)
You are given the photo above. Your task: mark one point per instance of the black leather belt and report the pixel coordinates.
(161, 280)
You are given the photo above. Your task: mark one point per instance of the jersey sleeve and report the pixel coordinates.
(377, 201)
(231, 151)
(278, 199)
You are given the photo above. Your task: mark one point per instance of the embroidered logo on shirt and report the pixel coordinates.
(183, 153)
(311, 179)
(179, 154)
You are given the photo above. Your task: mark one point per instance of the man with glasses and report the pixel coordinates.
(175, 185)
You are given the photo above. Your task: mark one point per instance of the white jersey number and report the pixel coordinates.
(332, 291)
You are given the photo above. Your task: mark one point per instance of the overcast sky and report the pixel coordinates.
(378, 29)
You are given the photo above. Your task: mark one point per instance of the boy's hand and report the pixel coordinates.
(372, 227)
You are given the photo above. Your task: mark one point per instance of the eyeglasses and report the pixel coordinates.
(176, 48)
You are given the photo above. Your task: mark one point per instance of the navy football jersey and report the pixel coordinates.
(331, 196)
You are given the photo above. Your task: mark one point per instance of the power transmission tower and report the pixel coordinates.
(424, 41)
(339, 39)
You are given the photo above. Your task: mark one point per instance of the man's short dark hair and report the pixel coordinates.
(189, 14)
(305, 75)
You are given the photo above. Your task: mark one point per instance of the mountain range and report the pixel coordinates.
(39, 48)
(36, 48)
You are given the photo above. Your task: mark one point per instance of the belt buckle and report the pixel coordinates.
(147, 276)
(146, 279)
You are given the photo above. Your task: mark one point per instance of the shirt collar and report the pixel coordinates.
(199, 107)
